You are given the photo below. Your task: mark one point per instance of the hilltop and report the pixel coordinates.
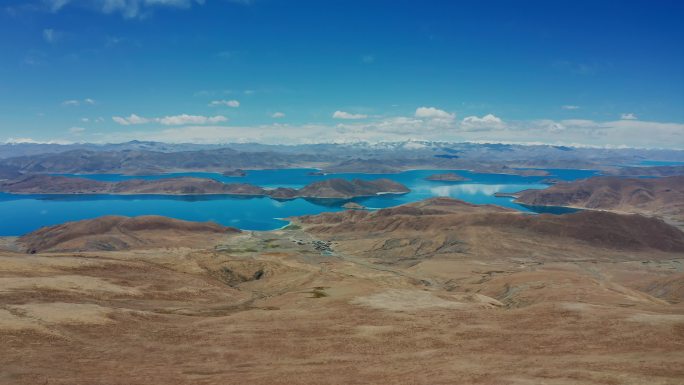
(662, 197)
(123, 233)
(443, 224)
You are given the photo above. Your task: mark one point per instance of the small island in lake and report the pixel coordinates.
(505, 195)
(341, 189)
(447, 177)
(353, 206)
(236, 173)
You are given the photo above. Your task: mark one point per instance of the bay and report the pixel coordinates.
(24, 213)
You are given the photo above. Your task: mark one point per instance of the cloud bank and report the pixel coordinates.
(174, 120)
(347, 115)
(428, 124)
(433, 113)
(129, 9)
(76, 102)
(227, 103)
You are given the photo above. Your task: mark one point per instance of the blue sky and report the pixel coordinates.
(604, 73)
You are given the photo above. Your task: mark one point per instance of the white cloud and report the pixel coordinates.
(185, 119)
(430, 125)
(76, 103)
(629, 116)
(278, 115)
(20, 140)
(49, 35)
(173, 120)
(548, 125)
(32, 141)
(347, 115)
(71, 103)
(132, 119)
(570, 107)
(85, 120)
(433, 113)
(585, 132)
(76, 130)
(269, 134)
(619, 133)
(488, 121)
(399, 125)
(229, 103)
(56, 5)
(127, 8)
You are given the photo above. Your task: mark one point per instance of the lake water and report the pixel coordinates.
(20, 214)
(660, 163)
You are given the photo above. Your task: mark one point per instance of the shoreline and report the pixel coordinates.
(322, 170)
(205, 194)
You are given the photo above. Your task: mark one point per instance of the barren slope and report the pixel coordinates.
(331, 188)
(122, 233)
(444, 217)
(437, 292)
(663, 197)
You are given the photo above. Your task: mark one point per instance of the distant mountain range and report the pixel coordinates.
(138, 157)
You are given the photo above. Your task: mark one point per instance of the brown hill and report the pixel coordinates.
(446, 177)
(443, 223)
(332, 188)
(451, 291)
(282, 193)
(238, 172)
(663, 197)
(8, 172)
(340, 189)
(144, 161)
(122, 233)
(184, 186)
(344, 189)
(48, 184)
(646, 171)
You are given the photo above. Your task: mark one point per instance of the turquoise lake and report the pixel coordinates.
(24, 213)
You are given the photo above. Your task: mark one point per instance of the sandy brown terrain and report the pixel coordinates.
(661, 197)
(437, 292)
(652, 171)
(113, 232)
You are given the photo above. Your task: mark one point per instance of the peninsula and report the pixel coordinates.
(327, 189)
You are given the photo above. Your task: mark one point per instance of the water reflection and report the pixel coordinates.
(467, 189)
